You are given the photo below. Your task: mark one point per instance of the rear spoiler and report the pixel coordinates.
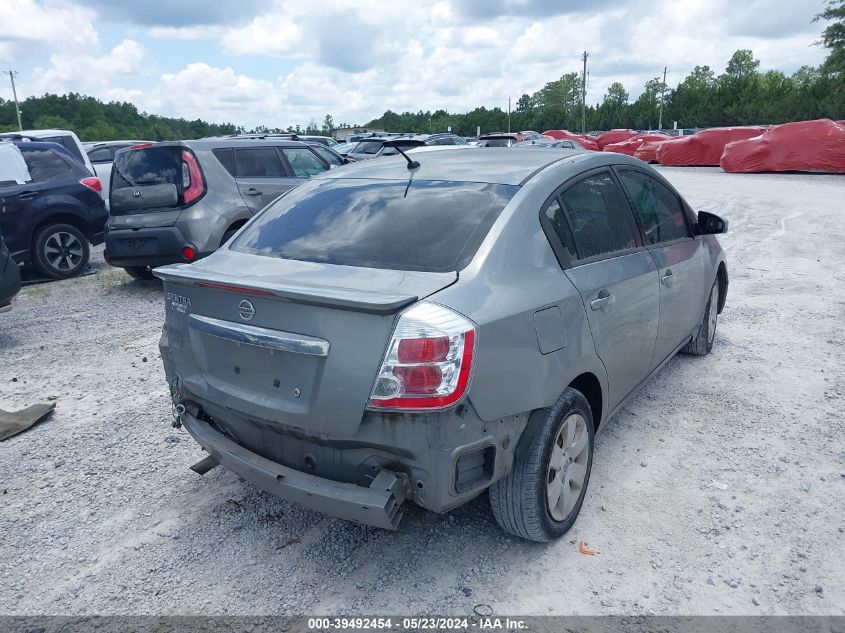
(285, 290)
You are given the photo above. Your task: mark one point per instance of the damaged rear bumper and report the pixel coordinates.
(378, 505)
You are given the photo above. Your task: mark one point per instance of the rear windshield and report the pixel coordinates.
(496, 142)
(148, 166)
(367, 147)
(428, 225)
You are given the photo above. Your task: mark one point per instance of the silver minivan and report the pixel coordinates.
(180, 201)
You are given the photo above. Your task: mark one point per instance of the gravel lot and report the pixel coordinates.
(719, 489)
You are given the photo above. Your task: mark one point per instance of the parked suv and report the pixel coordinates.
(179, 201)
(51, 208)
(427, 330)
(65, 138)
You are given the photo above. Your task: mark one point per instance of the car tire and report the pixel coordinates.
(702, 342)
(60, 251)
(555, 453)
(141, 273)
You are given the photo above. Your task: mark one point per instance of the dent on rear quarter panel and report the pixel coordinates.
(514, 275)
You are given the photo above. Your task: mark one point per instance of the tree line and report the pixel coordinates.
(741, 95)
(93, 120)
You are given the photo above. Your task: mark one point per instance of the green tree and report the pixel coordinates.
(833, 36)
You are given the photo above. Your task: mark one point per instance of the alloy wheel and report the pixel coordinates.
(567, 466)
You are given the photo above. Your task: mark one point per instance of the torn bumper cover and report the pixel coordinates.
(378, 505)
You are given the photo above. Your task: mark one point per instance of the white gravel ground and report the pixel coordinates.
(719, 489)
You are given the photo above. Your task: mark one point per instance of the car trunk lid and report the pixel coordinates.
(286, 343)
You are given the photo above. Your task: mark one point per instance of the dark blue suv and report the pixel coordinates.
(50, 208)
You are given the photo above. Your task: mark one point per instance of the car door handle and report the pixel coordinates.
(666, 279)
(28, 195)
(603, 301)
(252, 191)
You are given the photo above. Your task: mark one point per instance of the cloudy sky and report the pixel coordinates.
(283, 62)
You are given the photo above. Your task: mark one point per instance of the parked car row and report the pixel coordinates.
(313, 305)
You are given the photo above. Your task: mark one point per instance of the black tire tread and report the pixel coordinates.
(515, 499)
(698, 346)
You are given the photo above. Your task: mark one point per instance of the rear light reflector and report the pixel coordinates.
(238, 289)
(188, 252)
(423, 350)
(192, 182)
(428, 363)
(92, 183)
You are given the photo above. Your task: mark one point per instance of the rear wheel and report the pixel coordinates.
(60, 251)
(702, 343)
(542, 496)
(141, 273)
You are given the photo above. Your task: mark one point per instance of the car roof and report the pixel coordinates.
(222, 141)
(506, 166)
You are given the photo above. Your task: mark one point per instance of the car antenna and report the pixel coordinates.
(412, 164)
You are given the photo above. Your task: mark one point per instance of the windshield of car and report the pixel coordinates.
(425, 225)
(367, 147)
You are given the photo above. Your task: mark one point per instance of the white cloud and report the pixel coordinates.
(27, 28)
(270, 35)
(76, 71)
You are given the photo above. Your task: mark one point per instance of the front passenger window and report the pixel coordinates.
(601, 219)
(304, 162)
(659, 209)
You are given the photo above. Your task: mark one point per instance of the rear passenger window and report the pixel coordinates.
(259, 162)
(43, 164)
(601, 219)
(227, 158)
(560, 225)
(659, 209)
(304, 162)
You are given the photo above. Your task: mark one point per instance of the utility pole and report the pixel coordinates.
(584, 95)
(509, 115)
(12, 74)
(662, 93)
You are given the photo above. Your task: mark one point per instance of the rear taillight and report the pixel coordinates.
(192, 184)
(93, 183)
(428, 362)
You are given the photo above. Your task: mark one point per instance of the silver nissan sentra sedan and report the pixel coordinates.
(424, 330)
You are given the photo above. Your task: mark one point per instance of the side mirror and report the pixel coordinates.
(711, 224)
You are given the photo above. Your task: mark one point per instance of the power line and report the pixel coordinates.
(12, 74)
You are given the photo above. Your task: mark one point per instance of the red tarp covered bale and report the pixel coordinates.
(703, 148)
(614, 136)
(801, 146)
(630, 146)
(587, 142)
